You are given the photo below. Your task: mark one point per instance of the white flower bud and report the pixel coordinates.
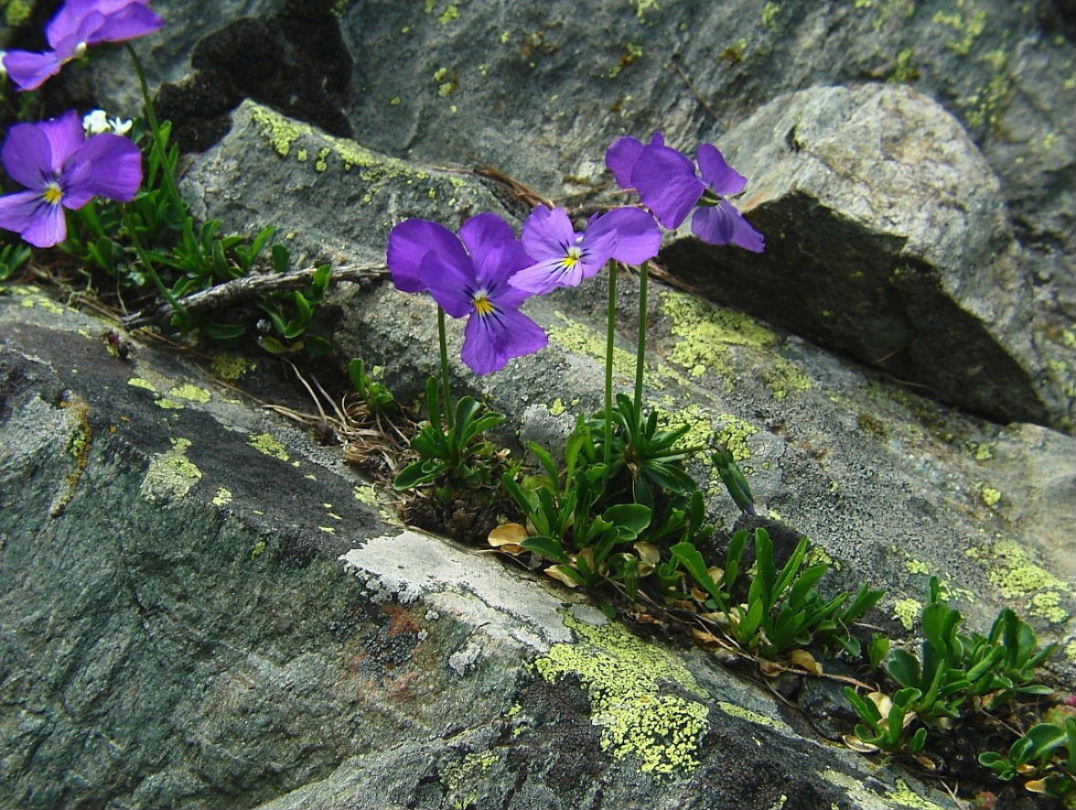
(95, 122)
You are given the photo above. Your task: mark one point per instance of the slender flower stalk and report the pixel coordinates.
(160, 148)
(147, 265)
(610, 338)
(446, 383)
(640, 348)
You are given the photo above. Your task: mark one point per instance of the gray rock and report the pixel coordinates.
(253, 635)
(887, 239)
(332, 198)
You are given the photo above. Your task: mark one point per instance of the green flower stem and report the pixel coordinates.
(609, 343)
(147, 263)
(159, 146)
(640, 356)
(446, 392)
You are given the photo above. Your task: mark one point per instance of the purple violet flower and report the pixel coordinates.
(563, 258)
(468, 276)
(670, 186)
(79, 24)
(63, 169)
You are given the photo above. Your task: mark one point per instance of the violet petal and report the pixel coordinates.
(40, 223)
(667, 184)
(31, 70)
(490, 341)
(134, 21)
(106, 165)
(719, 176)
(451, 287)
(65, 135)
(621, 156)
(724, 225)
(410, 241)
(27, 156)
(485, 228)
(547, 233)
(637, 238)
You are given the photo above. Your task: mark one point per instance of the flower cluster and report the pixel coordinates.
(670, 185)
(79, 24)
(63, 169)
(486, 273)
(59, 165)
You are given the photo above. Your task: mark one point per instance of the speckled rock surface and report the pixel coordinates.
(197, 610)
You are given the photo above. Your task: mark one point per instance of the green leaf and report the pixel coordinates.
(272, 345)
(629, 518)
(416, 474)
(904, 668)
(280, 258)
(547, 547)
(692, 560)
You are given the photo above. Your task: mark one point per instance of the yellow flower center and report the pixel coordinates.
(572, 259)
(482, 304)
(53, 193)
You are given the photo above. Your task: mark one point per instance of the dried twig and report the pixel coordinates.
(240, 289)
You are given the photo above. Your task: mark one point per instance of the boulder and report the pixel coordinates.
(201, 608)
(887, 239)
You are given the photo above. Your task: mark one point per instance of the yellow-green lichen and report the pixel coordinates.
(17, 12)
(365, 494)
(916, 567)
(1008, 567)
(906, 797)
(322, 162)
(264, 443)
(862, 796)
(816, 555)
(190, 392)
(705, 333)
(990, 496)
(169, 404)
(734, 434)
(557, 407)
(754, 717)
(968, 28)
(983, 452)
(644, 7)
(464, 778)
(623, 676)
(223, 497)
(769, 14)
(906, 611)
(785, 377)
(699, 424)
(450, 14)
(380, 171)
(327, 529)
(231, 366)
(138, 382)
(171, 474)
(906, 70)
(578, 338)
(33, 297)
(1070, 651)
(258, 550)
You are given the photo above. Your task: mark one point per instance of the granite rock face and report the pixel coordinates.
(199, 608)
